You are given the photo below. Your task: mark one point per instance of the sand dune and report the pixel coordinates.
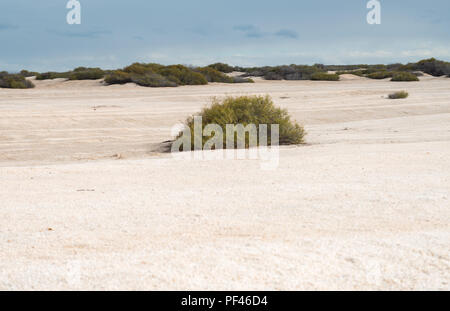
(87, 204)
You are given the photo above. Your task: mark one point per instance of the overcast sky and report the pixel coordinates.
(113, 33)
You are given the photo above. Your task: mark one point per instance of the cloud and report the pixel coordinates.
(287, 33)
(7, 27)
(80, 34)
(250, 31)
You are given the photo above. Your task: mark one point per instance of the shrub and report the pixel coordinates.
(222, 67)
(118, 77)
(26, 73)
(140, 68)
(213, 75)
(398, 95)
(155, 75)
(291, 72)
(380, 75)
(249, 110)
(322, 76)
(404, 76)
(82, 73)
(152, 80)
(182, 75)
(433, 67)
(53, 75)
(359, 73)
(14, 81)
(242, 80)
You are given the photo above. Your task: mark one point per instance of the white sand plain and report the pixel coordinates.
(86, 204)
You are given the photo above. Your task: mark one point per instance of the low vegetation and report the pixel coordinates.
(242, 80)
(322, 76)
(223, 67)
(380, 75)
(291, 72)
(80, 73)
(156, 75)
(26, 73)
(14, 81)
(399, 95)
(431, 66)
(248, 110)
(404, 76)
(359, 73)
(213, 75)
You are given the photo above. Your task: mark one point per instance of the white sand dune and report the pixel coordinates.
(86, 204)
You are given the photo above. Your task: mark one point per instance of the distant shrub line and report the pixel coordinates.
(155, 75)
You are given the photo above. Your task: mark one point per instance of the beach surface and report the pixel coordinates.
(87, 201)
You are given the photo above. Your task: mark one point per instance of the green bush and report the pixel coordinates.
(291, 72)
(380, 75)
(213, 75)
(222, 67)
(53, 75)
(249, 110)
(155, 75)
(26, 73)
(140, 68)
(82, 73)
(398, 95)
(242, 80)
(152, 80)
(118, 77)
(359, 73)
(14, 81)
(433, 67)
(322, 76)
(182, 75)
(404, 76)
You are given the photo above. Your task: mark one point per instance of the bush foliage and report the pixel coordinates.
(222, 67)
(380, 75)
(399, 95)
(291, 72)
(404, 76)
(14, 81)
(248, 110)
(157, 75)
(433, 67)
(322, 76)
(213, 75)
(80, 73)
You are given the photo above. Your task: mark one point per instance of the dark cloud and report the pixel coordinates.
(249, 31)
(80, 34)
(287, 33)
(7, 27)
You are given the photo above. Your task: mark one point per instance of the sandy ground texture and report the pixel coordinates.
(87, 203)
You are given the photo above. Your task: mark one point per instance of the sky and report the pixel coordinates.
(35, 35)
